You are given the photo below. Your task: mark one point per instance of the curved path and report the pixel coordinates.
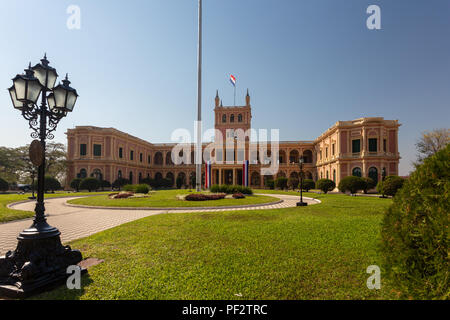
(75, 222)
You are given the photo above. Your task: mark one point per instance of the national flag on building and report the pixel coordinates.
(245, 175)
(208, 175)
(233, 80)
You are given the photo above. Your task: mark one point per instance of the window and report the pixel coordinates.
(82, 174)
(120, 153)
(333, 149)
(327, 175)
(384, 145)
(232, 118)
(224, 118)
(326, 153)
(356, 146)
(373, 174)
(149, 159)
(97, 150)
(356, 172)
(373, 145)
(141, 157)
(119, 174)
(131, 177)
(240, 118)
(320, 154)
(131, 155)
(334, 175)
(83, 149)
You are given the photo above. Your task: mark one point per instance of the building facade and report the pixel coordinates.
(366, 147)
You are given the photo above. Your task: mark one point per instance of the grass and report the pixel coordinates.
(7, 214)
(168, 198)
(315, 252)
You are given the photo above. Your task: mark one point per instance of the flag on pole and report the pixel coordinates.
(233, 80)
(208, 175)
(245, 178)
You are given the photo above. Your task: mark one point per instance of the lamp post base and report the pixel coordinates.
(35, 265)
(302, 204)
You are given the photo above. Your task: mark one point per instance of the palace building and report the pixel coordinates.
(365, 147)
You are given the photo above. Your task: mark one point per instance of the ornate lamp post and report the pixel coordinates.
(301, 203)
(40, 259)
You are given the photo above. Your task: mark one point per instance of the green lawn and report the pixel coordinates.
(10, 214)
(168, 198)
(315, 252)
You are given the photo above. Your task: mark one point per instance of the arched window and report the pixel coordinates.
(131, 177)
(240, 118)
(97, 174)
(140, 177)
(328, 177)
(334, 175)
(119, 174)
(373, 174)
(232, 118)
(82, 174)
(224, 118)
(356, 172)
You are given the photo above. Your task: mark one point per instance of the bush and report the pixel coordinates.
(370, 184)
(142, 188)
(119, 183)
(50, 184)
(352, 184)
(105, 184)
(269, 183)
(308, 184)
(390, 185)
(414, 231)
(293, 183)
(281, 183)
(204, 197)
(238, 196)
(4, 186)
(325, 185)
(129, 187)
(75, 184)
(230, 189)
(90, 184)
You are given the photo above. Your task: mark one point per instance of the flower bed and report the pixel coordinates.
(238, 196)
(204, 197)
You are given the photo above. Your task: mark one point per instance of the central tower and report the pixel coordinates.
(229, 119)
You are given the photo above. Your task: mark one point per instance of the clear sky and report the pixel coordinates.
(307, 63)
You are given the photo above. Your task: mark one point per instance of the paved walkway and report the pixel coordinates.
(75, 223)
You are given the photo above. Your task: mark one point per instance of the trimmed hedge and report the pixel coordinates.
(308, 184)
(281, 183)
(370, 184)
(204, 197)
(137, 188)
(390, 185)
(415, 237)
(230, 189)
(50, 184)
(75, 184)
(90, 184)
(119, 183)
(325, 185)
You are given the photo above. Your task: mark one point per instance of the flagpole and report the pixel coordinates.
(235, 95)
(198, 162)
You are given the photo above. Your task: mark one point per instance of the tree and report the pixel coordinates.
(308, 184)
(431, 142)
(281, 183)
(325, 185)
(90, 184)
(119, 183)
(50, 184)
(370, 184)
(104, 184)
(293, 183)
(75, 184)
(414, 233)
(4, 186)
(352, 184)
(390, 185)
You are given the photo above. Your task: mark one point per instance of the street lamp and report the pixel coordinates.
(40, 260)
(301, 203)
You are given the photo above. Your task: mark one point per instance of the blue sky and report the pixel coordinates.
(307, 64)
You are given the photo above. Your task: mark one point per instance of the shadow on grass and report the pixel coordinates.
(63, 293)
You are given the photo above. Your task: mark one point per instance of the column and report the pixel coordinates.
(234, 176)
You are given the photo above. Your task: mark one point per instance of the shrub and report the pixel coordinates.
(90, 184)
(142, 188)
(4, 186)
(129, 188)
(179, 182)
(325, 185)
(293, 183)
(75, 184)
(50, 184)
(269, 183)
(390, 185)
(119, 183)
(308, 184)
(105, 184)
(352, 184)
(370, 184)
(414, 231)
(281, 183)
(204, 197)
(230, 189)
(238, 196)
